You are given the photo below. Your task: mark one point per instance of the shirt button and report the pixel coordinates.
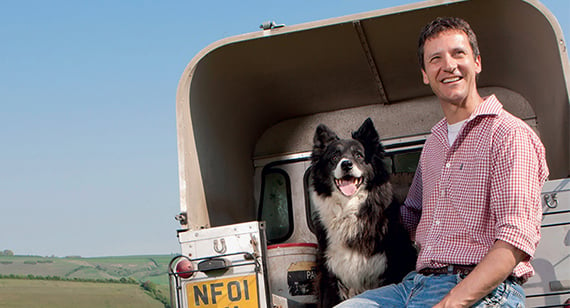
(447, 165)
(437, 222)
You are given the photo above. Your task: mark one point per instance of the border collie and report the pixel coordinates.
(362, 244)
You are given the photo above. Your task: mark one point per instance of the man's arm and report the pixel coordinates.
(411, 210)
(495, 267)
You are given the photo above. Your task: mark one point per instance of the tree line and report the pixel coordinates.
(129, 280)
(6, 252)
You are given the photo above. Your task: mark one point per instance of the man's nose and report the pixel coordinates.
(449, 64)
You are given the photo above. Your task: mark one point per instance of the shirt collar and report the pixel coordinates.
(490, 106)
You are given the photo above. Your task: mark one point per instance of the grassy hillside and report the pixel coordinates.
(141, 268)
(15, 293)
(60, 282)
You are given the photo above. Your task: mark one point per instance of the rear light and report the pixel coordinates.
(567, 303)
(185, 268)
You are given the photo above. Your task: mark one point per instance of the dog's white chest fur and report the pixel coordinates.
(338, 215)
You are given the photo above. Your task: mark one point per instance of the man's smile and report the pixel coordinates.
(451, 79)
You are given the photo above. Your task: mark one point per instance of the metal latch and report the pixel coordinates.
(214, 264)
(182, 218)
(268, 25)
(551, 200)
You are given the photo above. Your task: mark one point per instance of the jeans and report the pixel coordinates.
(417, 291)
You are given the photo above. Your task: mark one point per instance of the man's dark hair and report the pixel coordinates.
(440, 25)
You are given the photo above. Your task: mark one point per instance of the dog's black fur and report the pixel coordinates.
(371, 229)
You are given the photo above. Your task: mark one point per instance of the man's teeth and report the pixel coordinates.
(448, 80)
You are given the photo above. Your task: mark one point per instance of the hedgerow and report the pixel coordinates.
(124, 280)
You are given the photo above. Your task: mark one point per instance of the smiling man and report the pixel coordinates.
(450, 65)
(474, 206)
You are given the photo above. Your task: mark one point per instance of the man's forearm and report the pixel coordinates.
(495, 267)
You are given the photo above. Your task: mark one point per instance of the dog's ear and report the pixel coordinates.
(368, 136)
(323, 137)
(373, 150)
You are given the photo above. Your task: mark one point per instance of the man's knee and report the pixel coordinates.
(357, 302)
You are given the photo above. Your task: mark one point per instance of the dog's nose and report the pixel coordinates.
(346, 165)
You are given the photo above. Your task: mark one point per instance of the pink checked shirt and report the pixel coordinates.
(485, 187)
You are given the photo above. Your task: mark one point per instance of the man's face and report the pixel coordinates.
(450, 67)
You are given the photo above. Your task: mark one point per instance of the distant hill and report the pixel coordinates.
(141, 268)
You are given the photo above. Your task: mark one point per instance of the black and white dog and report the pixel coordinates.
(362, 244)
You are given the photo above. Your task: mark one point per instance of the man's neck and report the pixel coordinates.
(457, 112)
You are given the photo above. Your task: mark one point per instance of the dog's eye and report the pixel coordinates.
(358, 155)
(336, 156)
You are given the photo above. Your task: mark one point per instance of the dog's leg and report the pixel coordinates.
(326, 282)
(328, 293)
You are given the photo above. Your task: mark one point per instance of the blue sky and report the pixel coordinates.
(88, 159)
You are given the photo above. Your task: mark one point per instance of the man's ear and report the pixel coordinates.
(425, 78)
(478, 64)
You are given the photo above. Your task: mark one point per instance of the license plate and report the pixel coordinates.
(234, 292)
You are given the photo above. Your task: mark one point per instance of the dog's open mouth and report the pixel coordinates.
(348, 186)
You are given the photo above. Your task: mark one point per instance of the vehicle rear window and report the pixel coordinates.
(276, 208)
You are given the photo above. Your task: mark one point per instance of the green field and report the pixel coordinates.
(35, 281)
(15, 293)
(141, 268)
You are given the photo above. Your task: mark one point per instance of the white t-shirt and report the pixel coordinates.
(453, 131)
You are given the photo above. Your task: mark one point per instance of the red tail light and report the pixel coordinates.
(184, 268)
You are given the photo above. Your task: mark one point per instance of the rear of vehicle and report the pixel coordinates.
(248, 106)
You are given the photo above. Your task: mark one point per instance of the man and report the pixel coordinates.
(474, 206)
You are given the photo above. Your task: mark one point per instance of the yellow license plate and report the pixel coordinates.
(234, 292)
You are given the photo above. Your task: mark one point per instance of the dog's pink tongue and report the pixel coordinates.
(348, 188)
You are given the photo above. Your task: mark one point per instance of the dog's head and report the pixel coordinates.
(347, 165)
